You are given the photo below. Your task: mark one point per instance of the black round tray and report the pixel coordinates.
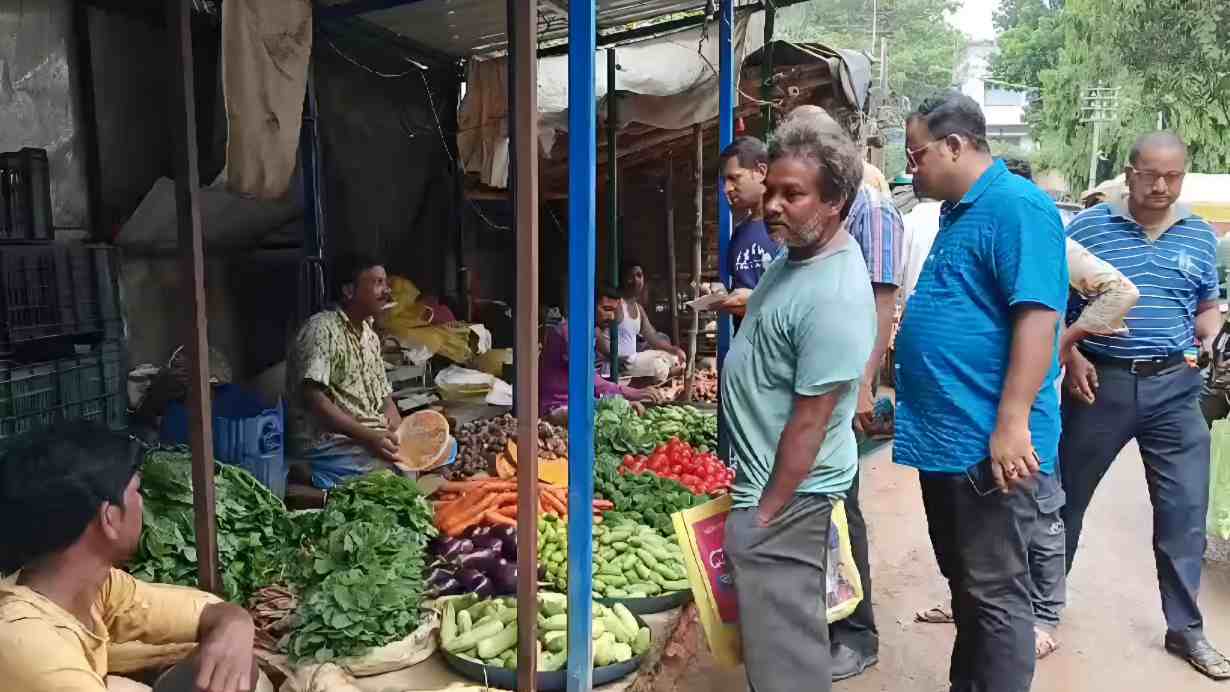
(548, 681)
(651, 604)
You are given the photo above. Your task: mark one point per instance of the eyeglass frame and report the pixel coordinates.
(1150, 178)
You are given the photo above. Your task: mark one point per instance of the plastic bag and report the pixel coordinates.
(701, 532)
(1219, 482)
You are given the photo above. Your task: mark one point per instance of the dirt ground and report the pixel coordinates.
(1112, 632)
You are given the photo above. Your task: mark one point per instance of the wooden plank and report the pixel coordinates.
(523, 42)
(192, 255)
(698, 132)
(670, 248)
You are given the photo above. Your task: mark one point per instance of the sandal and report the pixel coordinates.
(1044, 643)
(939, 615)
(1202, 656)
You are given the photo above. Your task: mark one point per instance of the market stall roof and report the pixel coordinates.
(464, 28)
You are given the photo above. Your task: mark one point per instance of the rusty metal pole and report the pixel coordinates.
(192, 273)
(523, 55)
(669, 202)
(697, 238)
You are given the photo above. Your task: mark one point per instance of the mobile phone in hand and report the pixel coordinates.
(981, 478)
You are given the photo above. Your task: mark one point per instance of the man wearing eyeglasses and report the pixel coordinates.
(977, 406)
(1147, 382)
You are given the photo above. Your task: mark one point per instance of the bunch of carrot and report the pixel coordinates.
(462, 504)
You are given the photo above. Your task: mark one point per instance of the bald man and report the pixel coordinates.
(1147, 381)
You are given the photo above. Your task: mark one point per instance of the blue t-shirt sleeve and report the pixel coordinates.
(1210, 285)
(1029, 257)
(831, 349)
(743, 272)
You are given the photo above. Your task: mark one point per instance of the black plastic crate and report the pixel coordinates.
(25, 187)
(29, 296)
(82, 387)
(79, 289)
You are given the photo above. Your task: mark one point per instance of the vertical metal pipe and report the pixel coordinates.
(766, 67)
(523, 59)
(312, 277)
(726, 133)
(612, 195)
(192, 270)
(698, 234)
(582, 186)
(673, 268)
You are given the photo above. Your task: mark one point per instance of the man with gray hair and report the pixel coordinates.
(789, 391)
(877, 227)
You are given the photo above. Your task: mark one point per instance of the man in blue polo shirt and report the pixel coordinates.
(977, 407)
(1145, 385)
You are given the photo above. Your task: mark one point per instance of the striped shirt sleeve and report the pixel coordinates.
(876, 225)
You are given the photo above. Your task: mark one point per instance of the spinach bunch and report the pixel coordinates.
(361, 569)
(617, 428)
(255, 533)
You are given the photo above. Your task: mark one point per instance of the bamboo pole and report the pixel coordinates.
(670, 248)
(697, 239)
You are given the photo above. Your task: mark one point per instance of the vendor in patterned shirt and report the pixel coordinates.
(342, 419)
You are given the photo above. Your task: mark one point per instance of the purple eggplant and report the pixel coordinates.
(484, 588)
(510, 549)
(438, 573)
(477, 531)
(446, 587)
(504, 577)
(488, 542)
(504, 533)
(481, 560)
(470, 578)
(457, 549)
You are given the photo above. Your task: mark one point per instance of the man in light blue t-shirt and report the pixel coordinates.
(789, 391)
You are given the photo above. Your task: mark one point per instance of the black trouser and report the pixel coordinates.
(982, 546)
(1162, 413)
(858, 631)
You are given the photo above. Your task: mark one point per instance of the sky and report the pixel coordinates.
(974, 18)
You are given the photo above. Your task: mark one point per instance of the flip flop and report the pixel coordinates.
(1044, 644)
(1203, 657)
(938, 615)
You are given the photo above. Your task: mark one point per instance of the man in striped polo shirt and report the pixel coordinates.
(977, 407)
(1145, 385)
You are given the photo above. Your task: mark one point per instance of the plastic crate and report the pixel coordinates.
(25, 186)
(83, 387)
(79, 289)
(30, 295)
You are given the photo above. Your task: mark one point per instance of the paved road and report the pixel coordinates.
(1112, 632)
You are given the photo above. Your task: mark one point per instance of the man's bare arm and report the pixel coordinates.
(886, 309)
(1033, 343)
(797, 450)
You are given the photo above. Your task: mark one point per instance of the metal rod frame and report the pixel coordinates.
(523, 88)
(192, 256)
(582, 184)
(612, 198)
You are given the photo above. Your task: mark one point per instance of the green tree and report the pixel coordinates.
(923, 49)
(1166, 57)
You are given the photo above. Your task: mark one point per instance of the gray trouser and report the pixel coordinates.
(1047, 564)
(1163, 414)
(780, 581)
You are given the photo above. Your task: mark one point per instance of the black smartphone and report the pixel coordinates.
(981, 478)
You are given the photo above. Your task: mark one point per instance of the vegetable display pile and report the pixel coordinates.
(688, 423)
(360, 573)
(482, 561)
(630, 560)
(255, 532)
(462, 505)
(619, 430)
(480, 442)
(705, 386)
(486, 632)
(700, 472)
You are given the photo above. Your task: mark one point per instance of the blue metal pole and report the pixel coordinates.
(582, 254)
(726, 133)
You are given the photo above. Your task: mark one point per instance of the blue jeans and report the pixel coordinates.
(1162, 412)
(338, 460)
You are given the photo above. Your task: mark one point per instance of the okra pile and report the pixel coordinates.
(630, 560)
(485, 631)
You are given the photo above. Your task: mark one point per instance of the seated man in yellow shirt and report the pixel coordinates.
(70, 509)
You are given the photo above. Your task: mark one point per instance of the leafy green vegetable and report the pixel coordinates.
(361, 569)
(619, 430)
(688, 423)
(255, 533)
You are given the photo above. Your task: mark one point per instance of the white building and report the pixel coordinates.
(1004, 108)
